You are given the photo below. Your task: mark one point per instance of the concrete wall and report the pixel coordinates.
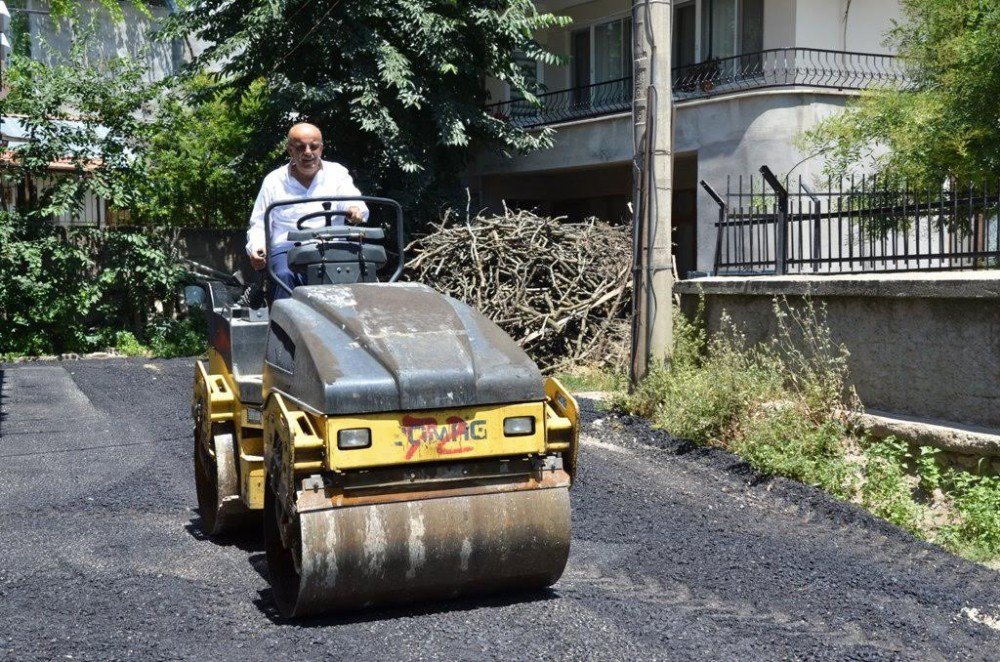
(728, 135)
(731, 135)
(600, 141)
(922, 345)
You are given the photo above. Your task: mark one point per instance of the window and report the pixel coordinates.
(531, 70)
(731, 27)
(685, 43)
(602, 53)
(718, 29)
(602, 64)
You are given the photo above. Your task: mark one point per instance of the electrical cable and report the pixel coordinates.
(281, 60)
(648, 206)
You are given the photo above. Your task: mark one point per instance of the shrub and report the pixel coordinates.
(784, 441)
(127, 344)
(171, 337)
(74, 290)
(976, 500)
(887, 489)
(47, 290)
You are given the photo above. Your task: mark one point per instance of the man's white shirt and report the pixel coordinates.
(332, 180)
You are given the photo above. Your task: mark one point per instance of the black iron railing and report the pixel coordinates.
(782, 67)
(785, 67)
(614, 96)
(863, 224)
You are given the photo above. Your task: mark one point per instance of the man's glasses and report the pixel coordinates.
(301, 147)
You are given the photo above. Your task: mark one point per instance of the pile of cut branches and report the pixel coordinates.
(559, 289)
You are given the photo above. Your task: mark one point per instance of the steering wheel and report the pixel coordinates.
(327, 213)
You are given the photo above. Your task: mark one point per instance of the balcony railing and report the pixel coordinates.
(784, 67)
(780, 67)
(614, 96)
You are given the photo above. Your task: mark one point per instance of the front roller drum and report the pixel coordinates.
(217, 483)
(355, 557)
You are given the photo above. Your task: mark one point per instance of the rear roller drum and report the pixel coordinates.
(217, 482)
(354, 557)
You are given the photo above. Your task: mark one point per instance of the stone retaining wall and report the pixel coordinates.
(921, 345)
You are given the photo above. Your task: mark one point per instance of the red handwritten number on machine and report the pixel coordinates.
(451, 438)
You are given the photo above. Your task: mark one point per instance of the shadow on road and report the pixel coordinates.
(250, 539)
(265, 603)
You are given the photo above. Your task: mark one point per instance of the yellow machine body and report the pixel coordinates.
(397, 439)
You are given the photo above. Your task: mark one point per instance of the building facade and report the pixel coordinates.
(749, 77)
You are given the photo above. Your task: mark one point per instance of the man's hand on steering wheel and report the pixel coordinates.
(354, 216)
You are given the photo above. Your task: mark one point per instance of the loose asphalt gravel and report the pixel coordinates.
(677, 553)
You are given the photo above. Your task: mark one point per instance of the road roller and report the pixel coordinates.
(393, 444)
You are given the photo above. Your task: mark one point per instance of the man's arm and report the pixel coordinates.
(357, 209)
(256, 244)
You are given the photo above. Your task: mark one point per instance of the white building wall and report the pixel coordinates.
(867, 24)
(845, 25)
(129, 37)
(779, 24)
(722, 136)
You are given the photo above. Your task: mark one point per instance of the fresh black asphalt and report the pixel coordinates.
(678, 553)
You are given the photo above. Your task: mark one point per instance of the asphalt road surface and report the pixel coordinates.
(677, 553)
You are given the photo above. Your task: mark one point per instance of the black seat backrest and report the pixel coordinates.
(336, 262)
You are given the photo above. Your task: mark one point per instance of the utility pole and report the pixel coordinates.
(652, 117)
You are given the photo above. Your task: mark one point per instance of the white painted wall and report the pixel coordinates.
(867, 23)
(821, 24)
(737, 135)
(779, 24)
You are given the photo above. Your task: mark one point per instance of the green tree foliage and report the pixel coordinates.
(170, 154)
(88, 117)
(71, 8)
(396, 85)
(101, 126)
(949, 123)
(198, 170)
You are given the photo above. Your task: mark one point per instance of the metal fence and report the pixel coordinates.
(783, 67)
(779, 67)
(857, 225)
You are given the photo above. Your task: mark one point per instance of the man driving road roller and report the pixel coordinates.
(306, 175)
(391, 443)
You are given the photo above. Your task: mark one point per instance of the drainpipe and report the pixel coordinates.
(847, 14)
(652, 118)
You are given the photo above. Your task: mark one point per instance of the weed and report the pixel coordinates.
(886, 491)
(588, 378)
(127, 344)
(976, 500)
(785, 442)
(169, 338)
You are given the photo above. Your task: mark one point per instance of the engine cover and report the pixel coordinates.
(377, 347)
